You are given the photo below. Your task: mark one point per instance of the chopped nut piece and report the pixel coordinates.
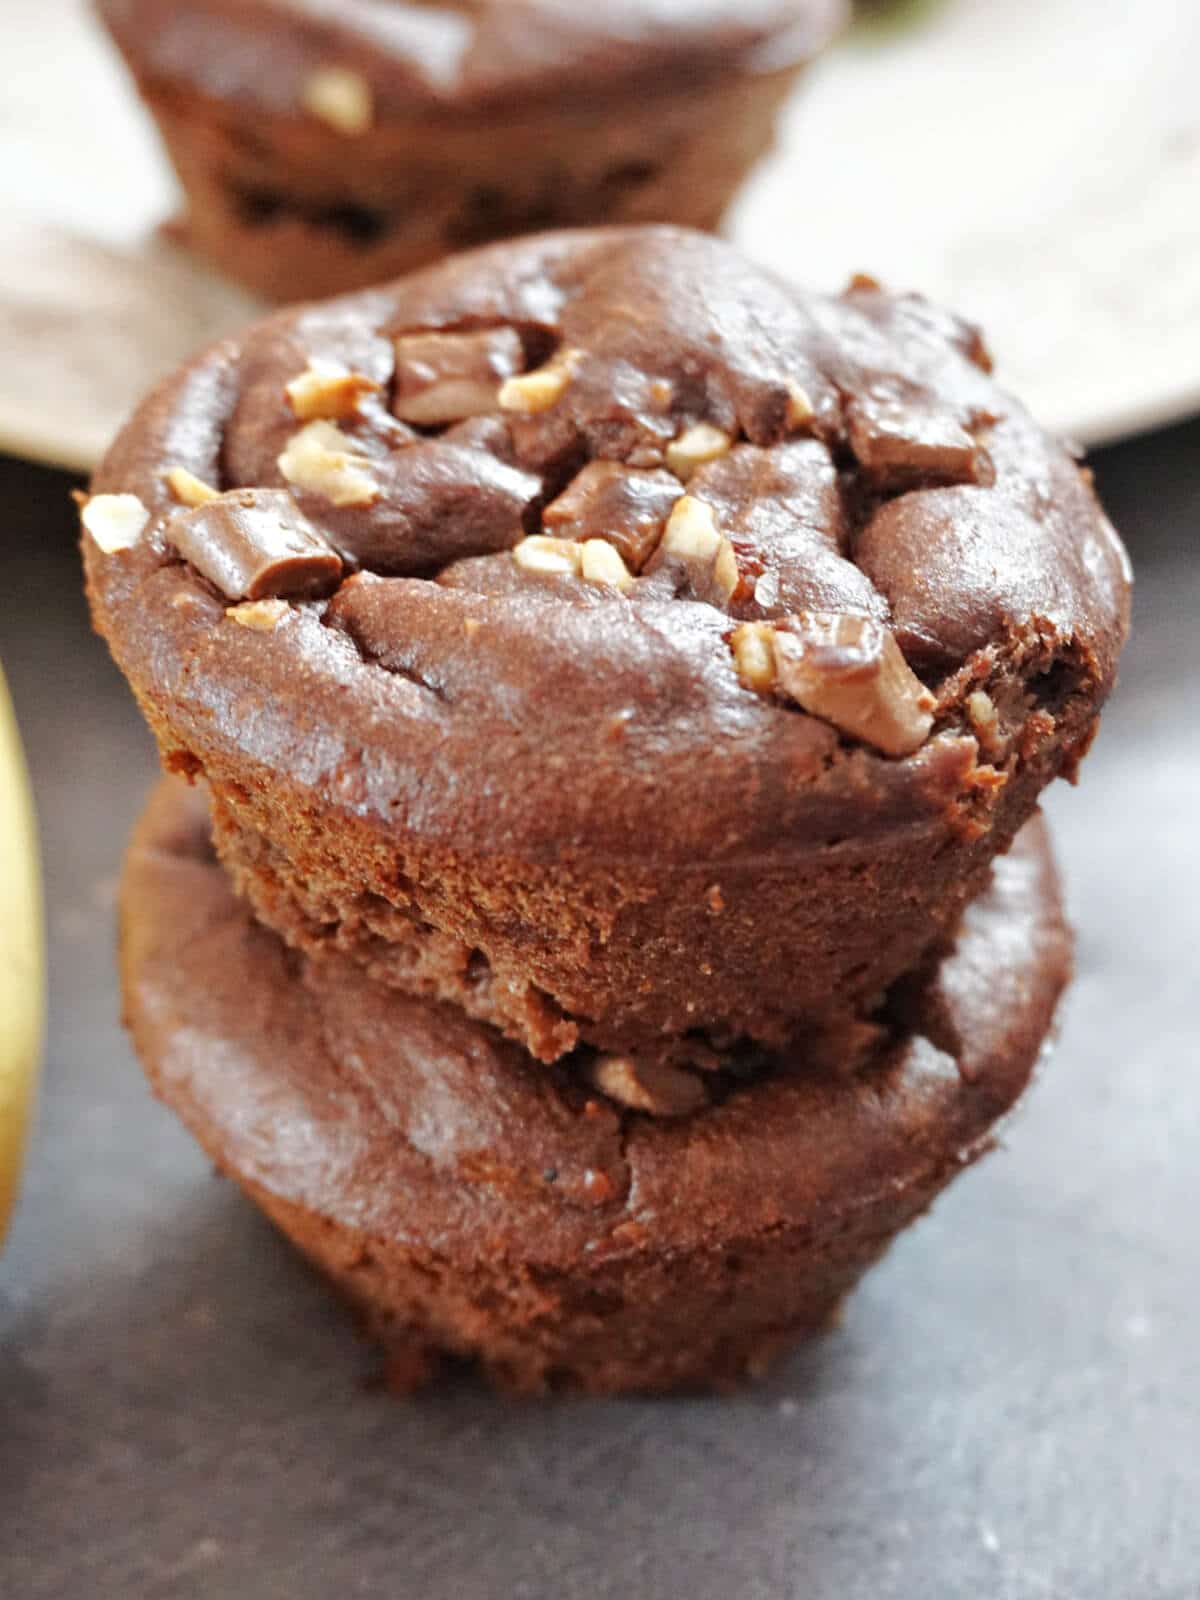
(691, 531)
(754, 654)
(985, 720)
(695, 447)
(263, 616)
(609, 500)
(725, 570)
(188, 489)
(981, 710)
(537, 391)
(115, 521)
(692, 536)
(322, 460)
(254, 544)
(326, 391)
(340, 98)
(539, 553)
(601, 563)
(849, 671)
(799, 408)
(449, 377)
(655, 1087)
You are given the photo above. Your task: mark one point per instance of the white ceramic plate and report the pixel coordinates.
(1035, 163)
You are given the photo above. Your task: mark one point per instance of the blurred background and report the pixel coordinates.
(1013, 1406)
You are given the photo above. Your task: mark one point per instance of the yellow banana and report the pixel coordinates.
(22, 974)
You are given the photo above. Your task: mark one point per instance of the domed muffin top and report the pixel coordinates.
(360, 60)
(609, 541)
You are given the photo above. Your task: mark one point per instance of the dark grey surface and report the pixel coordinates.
(1012, 1410)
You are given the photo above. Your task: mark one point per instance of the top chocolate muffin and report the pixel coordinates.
(324, 147)
(608, 636)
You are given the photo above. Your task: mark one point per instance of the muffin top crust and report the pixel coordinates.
(387, 57)
(609, 542)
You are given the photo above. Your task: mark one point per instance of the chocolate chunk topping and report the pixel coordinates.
(626, 506)
(901, 442)
(447, 377)
(847, 670)
(256, 543)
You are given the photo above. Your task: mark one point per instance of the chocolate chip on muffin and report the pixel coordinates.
(632, 572)
(323, 149)
(254, 544)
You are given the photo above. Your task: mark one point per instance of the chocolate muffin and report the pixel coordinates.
(472, 1202)
(322, 148)
(607, 637)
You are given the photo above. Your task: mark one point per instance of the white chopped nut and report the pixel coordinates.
(600, 562)
(754, 656)
(115, 521)
(691, 530)
(982, 710)
(540, 553)
(327, 391)
(695, 447)
(799, 407)
(322, 460)
(190, 490)
(692, 535)
(656, 1087)
(341, 99)
(725, 570)
(536, 391)
(985, 720)
(261, 615)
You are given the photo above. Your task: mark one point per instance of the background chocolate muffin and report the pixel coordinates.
(471, 1202)
(322, 148)
(604, 636)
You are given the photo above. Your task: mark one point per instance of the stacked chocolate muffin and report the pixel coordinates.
(325, 147)
(611, 676)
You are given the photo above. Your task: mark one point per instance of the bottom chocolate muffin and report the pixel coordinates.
(473, 1202)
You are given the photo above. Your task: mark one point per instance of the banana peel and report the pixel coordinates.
(22, 959)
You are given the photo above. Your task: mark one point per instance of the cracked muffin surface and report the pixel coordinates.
(324, 147)
(659, 650)
(471, 1202)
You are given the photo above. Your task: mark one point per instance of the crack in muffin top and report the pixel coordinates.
(393, 57)
(594, 515)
